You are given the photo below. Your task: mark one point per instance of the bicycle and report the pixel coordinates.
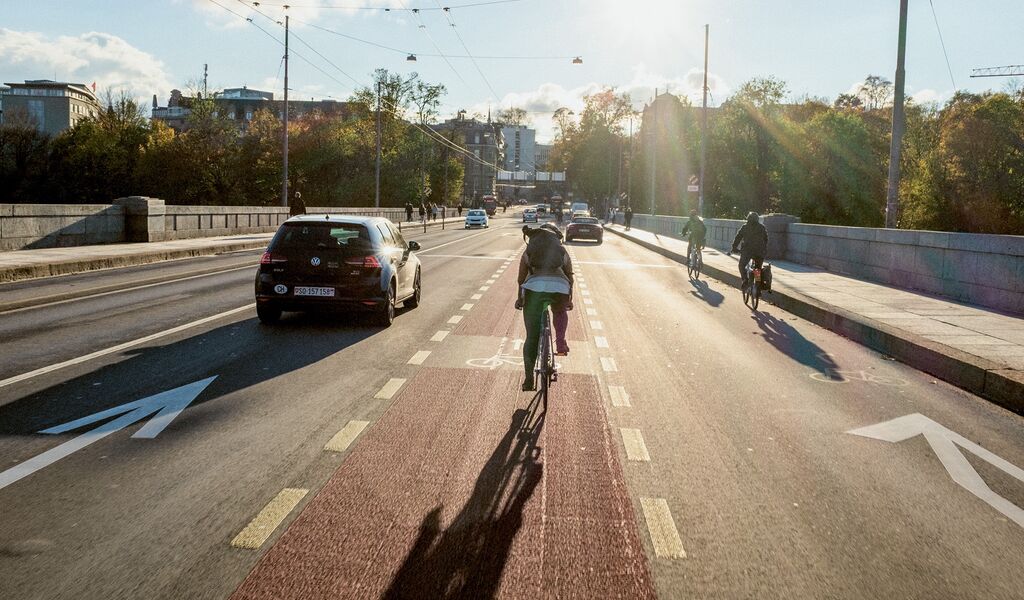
(695, 262)
(752, 291)
(546, 369)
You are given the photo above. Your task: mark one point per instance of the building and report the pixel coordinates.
(520, 148)
(484, 141)
(53, 106)
(542, 154)
(239, 105)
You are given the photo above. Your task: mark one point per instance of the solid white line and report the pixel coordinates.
(439, 336)
(455, 320)
(596, 325)
(662, 528)
(466, 307)
(602, 342)
(608, 364)
(389, 389)
(122, 290)
(259, 529)
(633, 441)
(124, 346)
(476, 296)
(419, 357)
(344, 438)
(591, 312)
(469, 237)
(619, 395)
(464, 256)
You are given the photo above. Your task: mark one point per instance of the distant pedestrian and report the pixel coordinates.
(629, 217)
(298, 207)
(460, 210)
(423, 213)
(408, 211)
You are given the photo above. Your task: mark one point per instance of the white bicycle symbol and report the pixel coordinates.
(496, 361)
(836, 376)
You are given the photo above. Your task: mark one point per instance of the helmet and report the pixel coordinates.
(753, 218)
(551, 228)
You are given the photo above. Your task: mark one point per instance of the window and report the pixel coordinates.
(37, 112)
(398, 237)
(248, 115)
(477, 138)
(385, 233)
(323, 236)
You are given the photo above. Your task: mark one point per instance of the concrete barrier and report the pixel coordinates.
(28, 226)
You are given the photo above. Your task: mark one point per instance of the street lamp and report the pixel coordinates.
(577, 61)
(411, 58)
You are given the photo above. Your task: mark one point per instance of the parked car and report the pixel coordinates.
(587, 228)
(530, 215)
(333, 262)
(476, 218)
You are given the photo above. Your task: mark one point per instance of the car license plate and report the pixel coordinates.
(584, 230)
(314, 291)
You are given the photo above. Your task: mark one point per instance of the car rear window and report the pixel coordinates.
(585, 220)
(476, 213)
(321, 236)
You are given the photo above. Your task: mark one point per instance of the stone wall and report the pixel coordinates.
(28, 226)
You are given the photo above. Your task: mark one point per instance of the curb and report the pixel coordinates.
(990, 380)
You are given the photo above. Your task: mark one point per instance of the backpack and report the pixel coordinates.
(766, 277)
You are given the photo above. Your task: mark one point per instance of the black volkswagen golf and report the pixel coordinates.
(334, 262)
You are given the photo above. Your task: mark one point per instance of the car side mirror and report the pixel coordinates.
(414, 246)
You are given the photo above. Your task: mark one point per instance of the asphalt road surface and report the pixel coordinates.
(691, 448)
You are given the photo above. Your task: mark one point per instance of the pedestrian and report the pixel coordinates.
(408, 212)
(423, 213)
(298, 207)
(460, 210)
(629, 216)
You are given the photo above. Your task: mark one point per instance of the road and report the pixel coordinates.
(691, 447)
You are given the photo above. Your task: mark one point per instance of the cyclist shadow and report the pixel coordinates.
(705, 293)
(786, 339)
(467, 559)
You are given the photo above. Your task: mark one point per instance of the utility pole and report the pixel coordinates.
(284, 185)
(376, 196)
(704, 126)
(629, 171)
(654, 146)
(205, 72)
(892, 200)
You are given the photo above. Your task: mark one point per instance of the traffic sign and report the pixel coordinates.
(693, 181)
(693, 188)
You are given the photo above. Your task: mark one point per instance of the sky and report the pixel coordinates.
(819, 48)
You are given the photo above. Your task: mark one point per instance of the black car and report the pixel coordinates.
(587, 228)
(325, 262)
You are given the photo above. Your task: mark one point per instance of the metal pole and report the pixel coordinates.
(376, 196)
(654, 146)
(892, 200)
(704, 126)
(629, 172)
(284, 185)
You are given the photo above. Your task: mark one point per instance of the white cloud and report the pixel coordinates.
(930, 96)
(98, 57)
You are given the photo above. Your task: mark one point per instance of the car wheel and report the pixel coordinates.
(386, 314)
(268, 314)
(414, 300)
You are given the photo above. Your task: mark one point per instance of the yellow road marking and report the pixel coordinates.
(662, 528)
(344, 438)
(268, 519)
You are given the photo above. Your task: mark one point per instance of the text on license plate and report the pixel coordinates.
(314, 291)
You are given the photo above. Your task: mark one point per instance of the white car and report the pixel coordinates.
(476, 218)
(530, 215)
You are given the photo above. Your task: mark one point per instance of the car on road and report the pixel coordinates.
(337, 263)
(580, 207)
(543, 209)
(530, 215)
(583, 227)
(476, 217)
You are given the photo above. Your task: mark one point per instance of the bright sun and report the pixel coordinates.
(646, 22)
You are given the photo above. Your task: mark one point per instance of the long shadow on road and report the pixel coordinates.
(786, 339)
(704, 292)
(467, 559)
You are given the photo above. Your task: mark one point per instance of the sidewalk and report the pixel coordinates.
(18, 265)
(974, 348)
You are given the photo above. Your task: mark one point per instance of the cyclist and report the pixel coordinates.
(545, 277)
(698, 233)
(752, 242)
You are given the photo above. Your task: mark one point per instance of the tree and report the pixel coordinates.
(514, 116)
(23, 158)
(875, 92)
(848, 102)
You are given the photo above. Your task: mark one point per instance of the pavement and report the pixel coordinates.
(975, 348)
(17, 265)
(691, 448)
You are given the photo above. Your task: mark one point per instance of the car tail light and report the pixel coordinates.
(367, 262)
(269, 258)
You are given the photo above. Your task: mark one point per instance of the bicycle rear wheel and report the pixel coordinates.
(546, 355)
(690, 267)
(700, 264)
(755, 295)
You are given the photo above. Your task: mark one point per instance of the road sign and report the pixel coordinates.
(944, 443)
(166, 405)
(693, 188)
(693, 180)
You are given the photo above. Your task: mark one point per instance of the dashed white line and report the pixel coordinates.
(476, 296)
(619, 395)
(344, 438)
(439, 336)
(633, 441)
(602, 342)
(466, 307)
(419, 357)
(608, 364)
(455, 320)
(591, 312)
(389, 389)
(662, 528)
(588, 301)
(585, 292)
(268, 519)
(484, 288)
(489, 282)
(596, 325)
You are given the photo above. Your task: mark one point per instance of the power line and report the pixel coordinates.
(448, 16)
(388, 8)
(943, 43)
(423, 27)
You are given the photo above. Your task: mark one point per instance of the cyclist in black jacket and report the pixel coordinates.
(698, 232)
(752, 243)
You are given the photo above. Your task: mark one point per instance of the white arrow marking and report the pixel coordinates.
(167, 405)
(944, 442)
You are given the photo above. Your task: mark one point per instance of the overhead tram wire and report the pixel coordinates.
(451, 22)
(423, 27)
(943, 43)
(435, 136)
(387, 8)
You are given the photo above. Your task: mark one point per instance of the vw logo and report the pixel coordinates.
(315, 261)
(281, 288)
